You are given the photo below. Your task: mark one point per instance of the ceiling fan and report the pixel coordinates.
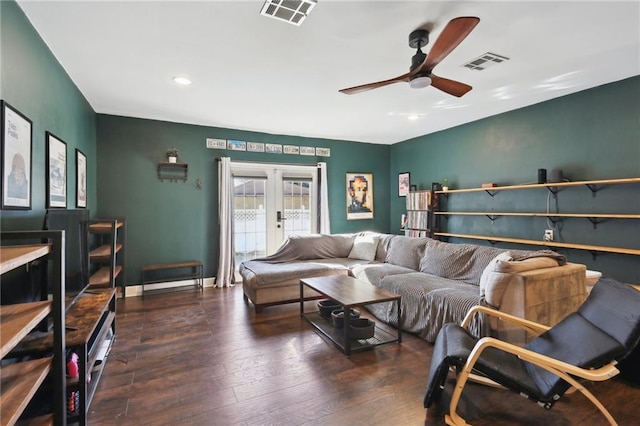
(420, 74)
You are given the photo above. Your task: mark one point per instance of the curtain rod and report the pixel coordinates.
(269, 162)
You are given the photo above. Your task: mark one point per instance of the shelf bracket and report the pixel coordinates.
(492, 217)
(491, 193)
(594, 188)
(594, 221)
(554, 219)
(553, 189)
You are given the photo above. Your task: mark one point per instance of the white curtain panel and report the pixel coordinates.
(325, 225)
(226, 263)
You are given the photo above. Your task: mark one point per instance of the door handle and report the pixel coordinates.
(279, 217)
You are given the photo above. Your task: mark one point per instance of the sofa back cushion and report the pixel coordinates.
(314, 246)
(464, 262)
(384, 240)
(406, 251)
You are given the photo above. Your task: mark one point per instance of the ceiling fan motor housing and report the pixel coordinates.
(418, 39)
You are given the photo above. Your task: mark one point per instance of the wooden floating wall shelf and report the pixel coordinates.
(173, 172)
(593, 185)
(594, 218)
(591, 248)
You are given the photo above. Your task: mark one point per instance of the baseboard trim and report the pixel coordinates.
(136, 290)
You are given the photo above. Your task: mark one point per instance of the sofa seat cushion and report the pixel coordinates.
(373, 273)
(259, 274)
(428, 302)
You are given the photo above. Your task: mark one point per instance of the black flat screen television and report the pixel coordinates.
(74, 222)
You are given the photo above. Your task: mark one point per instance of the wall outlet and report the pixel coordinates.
(548, 234)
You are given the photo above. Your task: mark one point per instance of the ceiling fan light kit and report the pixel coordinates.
(421, 71)
(419, 81)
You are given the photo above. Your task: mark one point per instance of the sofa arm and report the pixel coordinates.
(544, 296)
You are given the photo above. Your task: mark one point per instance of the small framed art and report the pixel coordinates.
(404, 183)
(56, 172)
(17, 141)
(81, 179)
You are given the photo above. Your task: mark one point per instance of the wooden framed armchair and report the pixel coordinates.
(587, 345)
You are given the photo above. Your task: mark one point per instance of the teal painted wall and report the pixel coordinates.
(176, 221)
(33, 82)
(592, 134)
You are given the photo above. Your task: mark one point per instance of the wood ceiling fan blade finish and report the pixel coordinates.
(453, 34)
(369, 86)
(451, 87)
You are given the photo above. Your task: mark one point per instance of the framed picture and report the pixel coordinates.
(404, 183)
(17, 141)
(81, 179)
(359, 190)
(56, 172)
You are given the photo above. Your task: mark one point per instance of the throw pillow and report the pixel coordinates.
(364, 247)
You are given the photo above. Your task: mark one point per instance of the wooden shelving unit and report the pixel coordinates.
(107, 257)
(91, 322)
(420, 220)
(595, 218)
(21, 380)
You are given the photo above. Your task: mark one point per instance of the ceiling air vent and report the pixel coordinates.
(291, 11)
(485, 61)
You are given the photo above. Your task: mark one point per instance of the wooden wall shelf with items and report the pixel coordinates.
(107, 253)
(420, 221)
(21, 379)
(173, 172)
(595, 218)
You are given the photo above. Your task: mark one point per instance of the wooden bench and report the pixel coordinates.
(153, 274)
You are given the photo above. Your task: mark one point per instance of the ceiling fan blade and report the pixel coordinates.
(369, 86)
(451, 87)
(456, 30)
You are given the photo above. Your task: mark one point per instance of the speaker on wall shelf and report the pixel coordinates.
(556, 175)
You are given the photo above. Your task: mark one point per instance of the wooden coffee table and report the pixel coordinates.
(349, 292)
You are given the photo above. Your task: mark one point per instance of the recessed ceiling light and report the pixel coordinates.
(183, 81)
(413, 117)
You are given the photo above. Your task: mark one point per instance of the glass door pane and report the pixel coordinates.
(297, 206)
(249, 218)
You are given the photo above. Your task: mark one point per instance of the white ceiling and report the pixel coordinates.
(256, 73)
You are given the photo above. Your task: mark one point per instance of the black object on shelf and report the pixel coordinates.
(173, 172)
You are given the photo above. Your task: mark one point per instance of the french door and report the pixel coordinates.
(271, 202)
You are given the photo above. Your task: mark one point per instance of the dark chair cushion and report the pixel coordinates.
(452, 348)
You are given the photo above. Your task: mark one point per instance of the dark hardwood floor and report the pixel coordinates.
(189, 359)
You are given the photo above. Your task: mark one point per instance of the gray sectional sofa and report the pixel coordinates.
(438, 281)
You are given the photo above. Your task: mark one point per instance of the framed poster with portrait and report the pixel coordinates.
(17, 137)
(404, 184)
(56, 172)
(81, 179)
(359, 191)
